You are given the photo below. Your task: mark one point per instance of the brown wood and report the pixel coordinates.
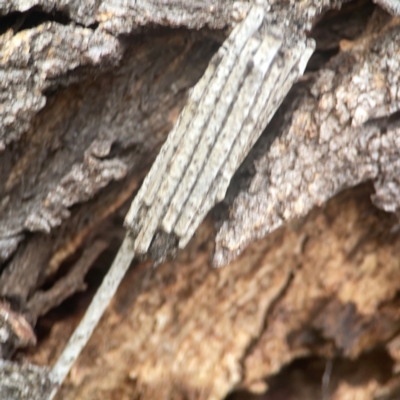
(309, 311)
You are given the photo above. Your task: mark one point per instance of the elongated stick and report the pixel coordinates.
(93, 314)
(227, 111)
(219, 73)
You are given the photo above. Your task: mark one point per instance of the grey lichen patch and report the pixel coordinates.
(79, 185)
(24, 381)
(33, 60)
(334, 140)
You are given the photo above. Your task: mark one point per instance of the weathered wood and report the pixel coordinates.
(74, 167)
(307, 291)
(227, 110)
(323, 290)
(104, 129)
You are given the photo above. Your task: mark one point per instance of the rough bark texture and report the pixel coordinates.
(23, 382)
(89, 92)
(343, 130)
(72, 158)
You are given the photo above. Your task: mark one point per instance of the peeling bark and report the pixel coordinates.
(89, 92)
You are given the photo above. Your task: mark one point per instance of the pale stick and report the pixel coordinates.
(93, 314)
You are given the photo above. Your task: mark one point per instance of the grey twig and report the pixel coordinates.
(227, 111)
(93, 314)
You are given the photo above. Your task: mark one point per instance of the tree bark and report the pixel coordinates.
(307, 306)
